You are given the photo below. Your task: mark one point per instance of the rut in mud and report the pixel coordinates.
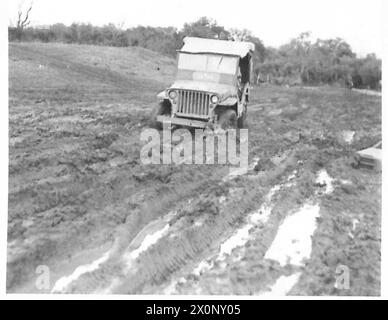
(82, 203)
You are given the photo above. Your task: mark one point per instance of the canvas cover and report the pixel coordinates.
(200, 45)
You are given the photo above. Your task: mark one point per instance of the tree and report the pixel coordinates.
(205, 27)
(23, 20)
(370, 72)
(240, 35)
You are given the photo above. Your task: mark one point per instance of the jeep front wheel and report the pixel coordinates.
(161, 109)
(228, 119)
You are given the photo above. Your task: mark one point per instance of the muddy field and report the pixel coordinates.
(82, 203)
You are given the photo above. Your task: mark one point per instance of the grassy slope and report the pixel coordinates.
(75, 73)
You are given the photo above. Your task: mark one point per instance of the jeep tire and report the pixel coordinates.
(228, 119)
(160, 109)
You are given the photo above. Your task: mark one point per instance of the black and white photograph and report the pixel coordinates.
(193, 149)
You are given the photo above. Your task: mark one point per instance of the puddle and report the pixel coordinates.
(235, 172)
(282, 286)
(149, 240)
(238, 239)
(241, 236)
(323, 179)
(202, 267)
(147, 237)
(348, 136)
(61, 284)
(292, 244)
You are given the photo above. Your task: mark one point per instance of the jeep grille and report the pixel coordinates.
(193, 104)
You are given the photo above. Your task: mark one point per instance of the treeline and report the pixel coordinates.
(300, 61)
(331, 61)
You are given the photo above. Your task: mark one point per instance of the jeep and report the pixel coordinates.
(211, 88)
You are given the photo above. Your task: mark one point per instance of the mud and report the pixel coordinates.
(77, 187)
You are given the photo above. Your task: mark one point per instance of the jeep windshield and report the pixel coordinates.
(207, 67)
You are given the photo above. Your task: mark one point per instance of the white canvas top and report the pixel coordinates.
(200, 45)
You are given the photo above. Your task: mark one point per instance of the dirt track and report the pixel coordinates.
(79, 194)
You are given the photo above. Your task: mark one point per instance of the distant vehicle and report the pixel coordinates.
(211, 87)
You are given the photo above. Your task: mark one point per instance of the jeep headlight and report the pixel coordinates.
(172, 94)
(214, 99)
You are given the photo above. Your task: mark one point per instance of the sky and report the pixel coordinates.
(275, 22)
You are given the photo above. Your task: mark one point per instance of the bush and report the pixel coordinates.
(370, 72)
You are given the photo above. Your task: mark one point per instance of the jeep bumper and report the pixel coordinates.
(182, 122)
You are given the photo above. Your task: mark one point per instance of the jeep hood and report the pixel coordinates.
(223, 90)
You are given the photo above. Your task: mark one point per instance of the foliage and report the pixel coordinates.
(301, 61)
(330, 61)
